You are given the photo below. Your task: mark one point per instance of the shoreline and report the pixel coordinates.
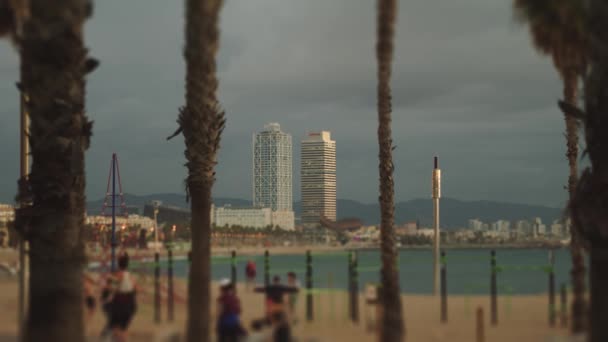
(10, 256)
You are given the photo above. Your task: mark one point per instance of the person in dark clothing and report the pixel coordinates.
(274, 295)
(106, 305)
(281, 330)
(229, 328)
(124, 303)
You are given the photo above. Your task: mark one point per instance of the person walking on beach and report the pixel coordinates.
(250, 274)
(274, 295)
(106, 306)
(229, 328)
(124, 304)
(292, 297)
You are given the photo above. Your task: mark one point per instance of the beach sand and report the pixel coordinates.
(521, 318)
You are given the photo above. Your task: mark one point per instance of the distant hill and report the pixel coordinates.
(454, 213)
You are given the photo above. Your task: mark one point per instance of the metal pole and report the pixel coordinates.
(551, 290)
(480, 334)
(444, 289)
(436, 239)
(309, 308)
(155, 228)
(170, 296)
(354, 292)
(113, 268)
(23, 173)
(156, 288)
(266, 268)
(493, 294)
(564, 306)
(233, 269)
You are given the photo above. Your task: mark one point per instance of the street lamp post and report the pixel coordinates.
(156, 227)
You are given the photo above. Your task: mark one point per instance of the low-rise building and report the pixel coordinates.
(7, 213)
(253, 217)
(131, 220)
(408, 228)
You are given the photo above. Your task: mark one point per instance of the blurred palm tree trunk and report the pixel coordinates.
(53, 65)
(579, 312)
(201, 122)
(590, 203)
(392, 328)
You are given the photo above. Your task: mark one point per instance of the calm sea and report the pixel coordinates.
(524, 271)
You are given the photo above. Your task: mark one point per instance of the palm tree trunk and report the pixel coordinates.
(599, 300)
(392, 329)
(53, 68)
(199, 303)
(590, 203)
(579, 311)
(202, 122)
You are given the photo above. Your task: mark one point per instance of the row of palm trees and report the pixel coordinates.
(54, 64)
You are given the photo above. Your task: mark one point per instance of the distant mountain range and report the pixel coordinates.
(454, 213)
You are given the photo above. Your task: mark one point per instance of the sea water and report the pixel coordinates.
(520, 271)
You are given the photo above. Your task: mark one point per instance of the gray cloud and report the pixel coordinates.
(467, 87)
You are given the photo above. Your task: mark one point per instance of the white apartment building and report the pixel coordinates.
(501, 226)
(318, 178)
(285, 219)
(244, 217)
(272, 169)
(475, 224)
(252, 217)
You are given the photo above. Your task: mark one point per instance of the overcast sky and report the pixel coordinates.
(467, 87)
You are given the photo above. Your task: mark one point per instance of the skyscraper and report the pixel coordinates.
(272, 169)
(318, 168)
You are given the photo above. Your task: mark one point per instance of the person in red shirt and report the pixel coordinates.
(250, 274)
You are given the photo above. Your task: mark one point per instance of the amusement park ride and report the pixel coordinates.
(110, 203)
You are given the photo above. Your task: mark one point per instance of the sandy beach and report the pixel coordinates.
(521, 318)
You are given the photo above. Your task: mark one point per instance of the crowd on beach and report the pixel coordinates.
(117, 300)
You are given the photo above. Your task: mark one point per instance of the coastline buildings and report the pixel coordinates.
(272, 174)
(252, 217)
(7, 213)
(318, 178)
(131, 220)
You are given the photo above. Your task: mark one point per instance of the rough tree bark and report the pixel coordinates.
(392, 328)
(53, 65)
(202, 122)
(590, 202)
(579, 306)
